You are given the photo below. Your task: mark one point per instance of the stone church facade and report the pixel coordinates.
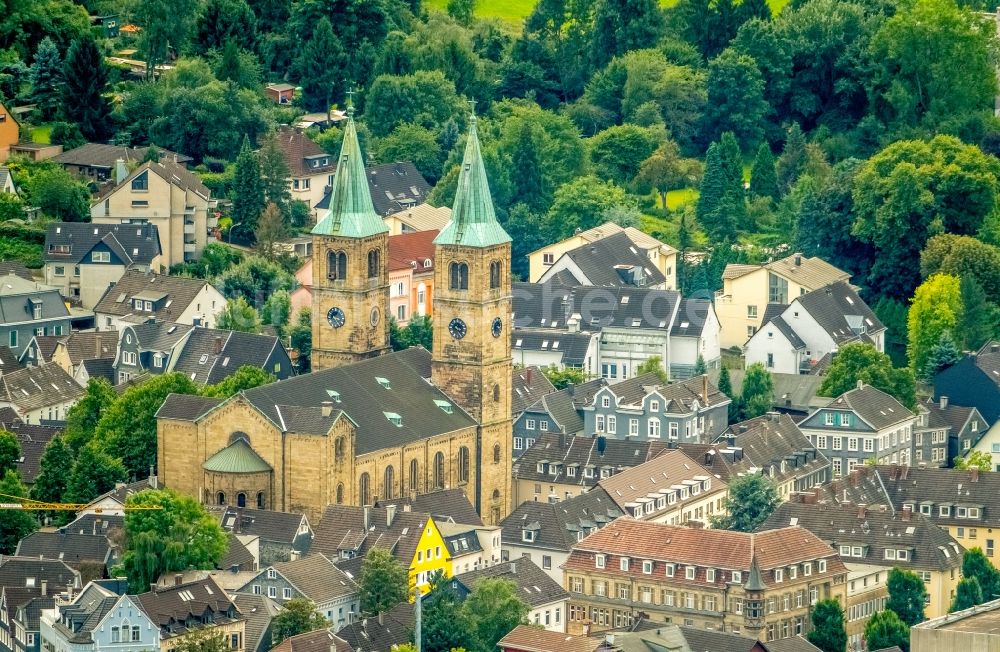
(368, 424)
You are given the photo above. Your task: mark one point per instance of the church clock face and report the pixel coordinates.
(497, 327)
(336, 317)
(457, 328)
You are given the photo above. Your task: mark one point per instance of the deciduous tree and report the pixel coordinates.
(238, 315)
(652, 365)
(752, 498)
(270, 231)
(15, 524)
(54, 471)
(82, 418)
(936, 308)
(735, 99)
(94, 473)
(859, 361)
(885, 630)
(246, 377)
(10, 451)
(445, 625)
(494, 608)
(562, 378)
(299, 616)
(383, 583)
(906, 596)
(975, 460)
(976, 564)
(414, 143)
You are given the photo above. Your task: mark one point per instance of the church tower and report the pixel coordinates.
(472, 315)
(350, 263)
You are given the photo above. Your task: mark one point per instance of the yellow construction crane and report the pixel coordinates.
(29, 503)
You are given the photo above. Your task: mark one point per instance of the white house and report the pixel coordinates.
(141, 295)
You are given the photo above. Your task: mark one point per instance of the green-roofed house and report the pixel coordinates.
(350, 278)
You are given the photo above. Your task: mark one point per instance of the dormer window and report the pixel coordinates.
(944, 510)
(605, 401)
(654, 406)
(445, 406)
(384, 382)
(528, 536)
(599, 561)
(394, 419)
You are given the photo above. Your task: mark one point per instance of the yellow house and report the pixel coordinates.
(662, 255)
(430, 556)
(747, 290)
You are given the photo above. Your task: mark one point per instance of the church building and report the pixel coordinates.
(368, 423)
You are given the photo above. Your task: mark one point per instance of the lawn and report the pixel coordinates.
(515, 11)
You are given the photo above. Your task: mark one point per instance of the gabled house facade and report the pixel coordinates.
(10, 132)
(187, 608)
(310, 169)
(27, 309)
(143, 296)
(99, 619)
(861, 425)
(774, 445)
(612, 261)
(84, 260)
(546, 598)
(974, 381)
(411, 275)
(39, 393)
(166, 195)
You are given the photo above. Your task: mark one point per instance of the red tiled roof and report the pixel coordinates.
(296, 147)
(406, 248)
(532, 639)
(719, 549)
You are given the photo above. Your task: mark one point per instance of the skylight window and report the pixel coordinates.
(384, 382)
(445, 406)
(335, 395)
(394, 418)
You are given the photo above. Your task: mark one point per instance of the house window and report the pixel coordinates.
(845, 419)
(599, 561)
(647, 567)
(543, 425)
(141, 182)
(336, 265)
(13, 339)
(770, 361)
(653, 429)
(777, 289)
(135, 633)
(518, 443)
(828, 418)
(623, 563)
(670, 570)
(689, 572)
(59, 270)
(605, 401)
(654, 406)
(612, 425)
(400, 313)
(751, 312)
(286, 593)
(548, 258)
(100, 256)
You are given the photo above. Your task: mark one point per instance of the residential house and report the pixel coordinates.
(259, 612)
(33, 438)
(471, 546)
(709, 579)
(170, 611)
(794, 394)
(670, 488)
(33, 581)
(963, 631)
(166, 195)
(98, 619)
(546, 598)
(91, 554)
(563, 349)
(944, 431)
(611, 261)
(28, 308)
(143, 296)
(560, 412)
(546, 532)
(7, 179)
(634, 325)
(444, 505)
(644, 408)
(112, 503)
(347, 532)
(974, 381)
(321, 120)
(797, 336)
(663, 256)
(310, 168)
(39, 393)
(321, 640)
(396, 187)
(381, 632)
(422, 217)
(556, 466)
(81, 354)
(871, 542)
(694, 336)
(525, 638)
(313, 578)
(280, 93)
(205, 355)
(10, 132)
(411, 275)
(84, 260)
(301, 296)
(862, 424)
(282, 536)
(747, 290)
(99, 161)
(529, 385)
(774, 445)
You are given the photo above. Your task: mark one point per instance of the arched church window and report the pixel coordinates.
(260, 500)
(364, 489)
(374, 270)
(439, 471)
(414, 477)
(336, 265)
(495, 270)
(459, 276)
(390, 482)
(496, 393)
(241, 499)
(496, 453)
(463, 465)
(340, 494)
(220, 498)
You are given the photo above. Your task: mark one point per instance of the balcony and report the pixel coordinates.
(212, 221)
(189, 210)
(189, 228)
(189, 247)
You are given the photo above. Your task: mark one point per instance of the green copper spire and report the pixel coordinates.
(351, 213)
(473, 220)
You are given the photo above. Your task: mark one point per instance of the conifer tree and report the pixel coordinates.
(46, 78)
(793, 158)
(763, 177)
(968, 593)
(321, 67)
(86, 81)
(725, 382)
(942, 355)
(248, 189)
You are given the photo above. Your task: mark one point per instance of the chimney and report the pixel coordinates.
(368, 517)
(154, 482)
(944, 402)
(381, 619)
(326, 407)
(217, 345)
(893, 471)
(862, 511)
(390, 515)
(178, 579)
(45, 587)
(704, 388)
(121, 172)
(513, 568)
(97, 347)
(861, 384)
(904, 470)
(906, 513)
(974, 474)
(854, 477)
(798, 260)
(527, 375)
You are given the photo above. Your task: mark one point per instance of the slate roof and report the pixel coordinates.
(168, 608)
(237, 555)
(16, 268)
(99, 155)
(45, 345)
(878, 409)
(180, 291)
(122, 491)
(671, 468)
(529, 385)
(342, 529)
(272, 526)
(791, 391)
(89, 345)
(412, 251)
(28, 571)
(720, 549)
(317, 578)
(95, 524)
(444, 505)
(459, 539)
(198, 360)
(786, 330)
(704, 639)
(321, 640)
(100, 368)
(534, 639)
(692, 316)
(159, 336)
(67, 546)
(259, 611)
(929, 547)
(297, 148)
(131, 243)
(769, 440)
(837, 309)
(573, 346)
(8, 361)
(608, 262)
(33, 439)
(953, 416)
(556, 525)
(562, 411)
(16, 295)
(35, 387)
(396, 187)
(85, 614)
(549, 305)
(936, 487)
(797, 644)
(581, 452)
(409, 395)
(173, 173)
(679, 398)
(534, 586)
(809, 272)
(396, 628)
(640, 238)
(186, 408)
